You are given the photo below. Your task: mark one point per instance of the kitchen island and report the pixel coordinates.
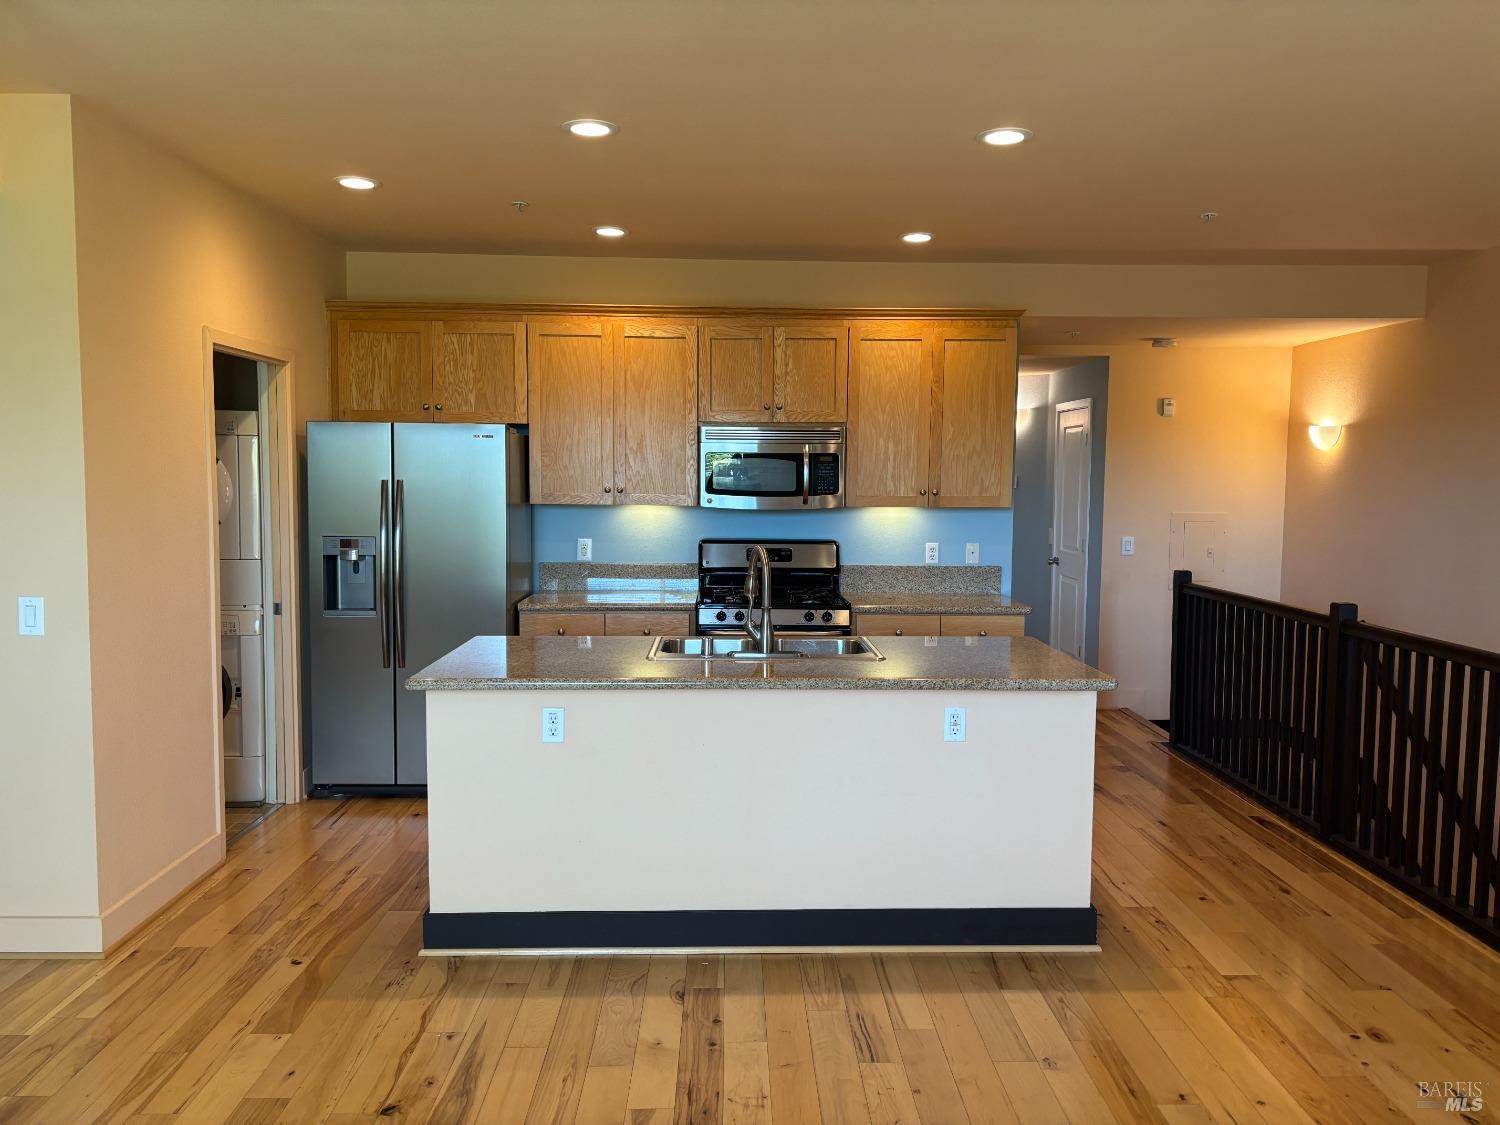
(790, 804)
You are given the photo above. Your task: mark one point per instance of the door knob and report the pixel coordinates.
(1053, 561)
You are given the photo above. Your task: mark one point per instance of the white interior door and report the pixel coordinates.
(1070, 526)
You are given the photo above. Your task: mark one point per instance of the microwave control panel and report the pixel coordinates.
(825, 475)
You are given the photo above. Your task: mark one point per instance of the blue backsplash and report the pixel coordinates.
(635, 533)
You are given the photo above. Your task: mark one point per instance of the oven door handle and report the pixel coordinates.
(806, 472)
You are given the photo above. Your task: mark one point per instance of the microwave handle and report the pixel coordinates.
(806, 472)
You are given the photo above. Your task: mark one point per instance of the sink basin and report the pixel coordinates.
(743, 648)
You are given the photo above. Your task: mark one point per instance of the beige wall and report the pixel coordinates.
(1042, 290)
(164, 251)
(1225, 450)
(48, 881)
(1403, 515)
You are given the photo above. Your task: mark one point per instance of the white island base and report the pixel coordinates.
(704, 819)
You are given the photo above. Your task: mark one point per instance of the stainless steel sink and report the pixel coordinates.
(743, 648)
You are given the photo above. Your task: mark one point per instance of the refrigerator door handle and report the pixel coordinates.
(398, 588)
(382, 554)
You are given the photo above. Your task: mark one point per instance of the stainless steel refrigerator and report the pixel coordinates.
(418, 538)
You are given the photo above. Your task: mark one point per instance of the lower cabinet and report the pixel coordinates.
(935, 625)
(627, 623)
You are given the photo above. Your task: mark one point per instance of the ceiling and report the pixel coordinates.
(1202, 332)
(1341, 130)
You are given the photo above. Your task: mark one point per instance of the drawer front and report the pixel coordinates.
(899, 625)
(979, 625)
(637, 624)
(562, 624)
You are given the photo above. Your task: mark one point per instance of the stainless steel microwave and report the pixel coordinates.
(771, 466)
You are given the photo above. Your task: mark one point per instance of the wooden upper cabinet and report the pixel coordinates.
(479, 370)
(974, 414)
(655, 417)
(811, 364)
(383, 370)
(890, 410)
(735, 376)
(571, 401)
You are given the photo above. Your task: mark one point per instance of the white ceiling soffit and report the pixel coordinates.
(1215, 332)
(1330, 132)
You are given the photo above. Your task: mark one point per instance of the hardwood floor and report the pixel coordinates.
(239, 819)
(1247, 975)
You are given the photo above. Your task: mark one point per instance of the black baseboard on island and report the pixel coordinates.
(759, 929)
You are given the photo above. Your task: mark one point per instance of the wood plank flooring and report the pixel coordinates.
(1247, 975)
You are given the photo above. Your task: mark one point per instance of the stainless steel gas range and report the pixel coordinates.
(805, 597)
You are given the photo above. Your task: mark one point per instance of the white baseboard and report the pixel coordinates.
(44, 935)
(141, 904)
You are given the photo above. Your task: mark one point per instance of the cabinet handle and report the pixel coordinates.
(984, 632)
(427, 406)
(765, 406)
(438, 407)
(778, 406)
(608, 489)
(562, 630)
(924, 492)
(934, 491)
(620, 488)
(900, 632)
(645, 632)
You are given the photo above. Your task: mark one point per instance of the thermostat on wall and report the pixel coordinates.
(1166, 406)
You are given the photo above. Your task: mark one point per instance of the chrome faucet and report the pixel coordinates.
(758, 574)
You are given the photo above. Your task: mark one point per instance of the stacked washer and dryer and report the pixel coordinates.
(241, 616)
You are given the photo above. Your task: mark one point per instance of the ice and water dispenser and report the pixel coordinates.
(349, 576)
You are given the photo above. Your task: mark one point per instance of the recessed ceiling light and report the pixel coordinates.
(591, 127)
(1005, 135)
(917, 236)
(358, 183)
(611, 232)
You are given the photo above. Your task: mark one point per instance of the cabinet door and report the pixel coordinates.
(571, 406)
(974, 414)
(811, 363)
(384, 370)
(479, 371)
(890, 403)
(656, 394)
(735, 383)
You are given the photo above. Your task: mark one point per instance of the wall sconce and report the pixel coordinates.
(1325, 435)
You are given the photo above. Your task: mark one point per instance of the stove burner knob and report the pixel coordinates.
(721, 616)
(808, 616)
(827, 616)
(739, 615)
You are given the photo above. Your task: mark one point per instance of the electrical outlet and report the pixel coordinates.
(971, 554)
(1127, 544)
(585, 550)
(552, 724)
(931, 554)
(953, 724)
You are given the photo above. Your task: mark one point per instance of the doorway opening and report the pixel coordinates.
(255, 744)
(1061, 415)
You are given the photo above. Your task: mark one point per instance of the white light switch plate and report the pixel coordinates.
(585, 550)
(971, 554)
(552, 724)
(930, 556)
(31, 617)
(1127, 544)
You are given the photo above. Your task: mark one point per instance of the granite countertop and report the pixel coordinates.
(591, 601)
(902, 601)
(911, 663)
